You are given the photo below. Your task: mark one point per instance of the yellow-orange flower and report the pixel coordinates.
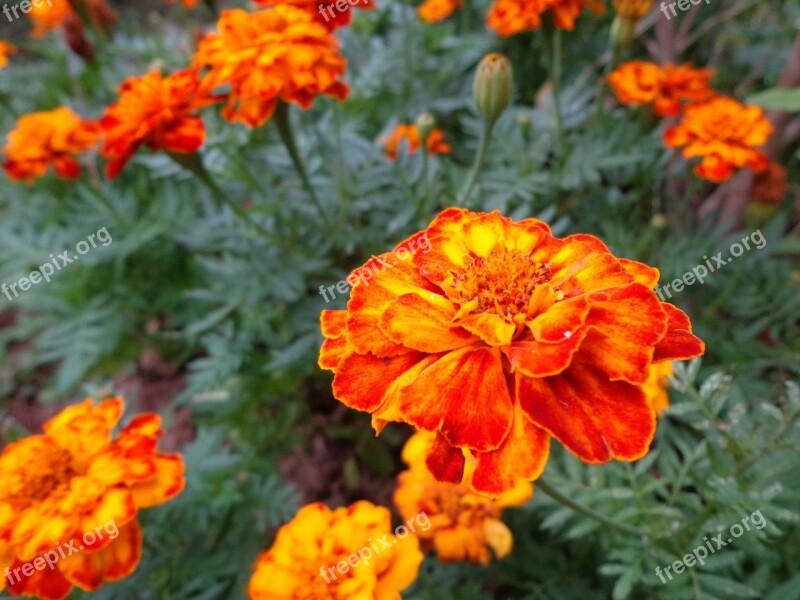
(770, 186)
(510, 17)
(48, 139)
(157, 112)
(6, 50)
(633, 10)
(327, 554)
(408, 136)
(656, 386)
(270, 55)
(432, 11)
(726, 134)
(55, 14)
(667, 88)
(75, 481)
(497, 335)
(328, 13)
(464, 525)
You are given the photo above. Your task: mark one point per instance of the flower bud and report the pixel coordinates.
(494, 83)
(622, 32)
(425, 126)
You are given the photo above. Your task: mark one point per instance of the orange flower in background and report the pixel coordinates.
(510, 17)
(304, 561)
(76, 487)
(328, 13)
(157, 112)
(186, 3)
(56, 14)
(668, 88)
(48, 139)
(432, 11)
(269, 56)
(464, 525)
(408, 136)
(500, 336)
(656, 386)
(770, 185)
(632, 10)
(6, 50)
(726, 134)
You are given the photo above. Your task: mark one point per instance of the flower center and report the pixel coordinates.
(501, 283)
(33, 484)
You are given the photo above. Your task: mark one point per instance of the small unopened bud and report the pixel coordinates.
(525, 122)
(622, 32)
(425, 126)
(623, 29)
(493, 85)
(659, 221)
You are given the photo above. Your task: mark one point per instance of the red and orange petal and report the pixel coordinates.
(73, 480)
(406, 137)
(48, 139)
(326, 13)
(279, 54)
(302, 563)
(725, 134)
(6, 50)
(433, 11)
(502, 336)
(667, 88)
(154, 111)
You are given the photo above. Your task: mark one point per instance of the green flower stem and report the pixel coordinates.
(480, 159)
(194, 163)
(284, 124)
(542, 485)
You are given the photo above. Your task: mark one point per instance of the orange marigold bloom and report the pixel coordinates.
(770, 186)
(55, 14)
(726, 134)
(501, 336)
(157, 112)
(668, 88)
(633, 10)
(6, 50)
(327, 12)
(302, 563)
(408, 136)
(45, 139)
(432, 11)
(464, 525)
(271, 55)
(68, 486)
(656, 386)
(510, 17)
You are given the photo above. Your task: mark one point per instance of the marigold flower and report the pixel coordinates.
(501, 336)
(433, 11)
(656, 386)
(726, 134)
(770, 185)
(328, 13)
(305, 558)
(510, 17)
(157, 112)
(45, 139)
(58, 487)
(6, 50)
(464, 525)
(668, 88)
(408, 136)
(55, 14)
(271, 55)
